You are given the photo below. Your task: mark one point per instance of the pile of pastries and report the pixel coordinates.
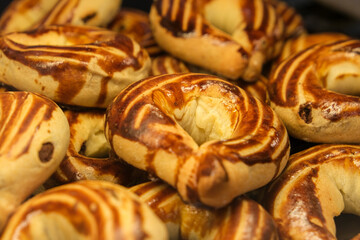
(175, 124)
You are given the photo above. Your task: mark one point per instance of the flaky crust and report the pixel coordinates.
(315, 93)
(203, 135)
(85, 210)
(318, 184)
(73, 65)
(34, 136)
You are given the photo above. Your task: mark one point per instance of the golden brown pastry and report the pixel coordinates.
(242, 219)
(318, 184)
(231, 38)
(34, 136)
(85, 210)
(166, 64)
(74, 65)
(203, 135)
(315, 93)
(257, 89)
(305, 40)
(89, 156)
(293, 21)
(23, 15)
(135, 23)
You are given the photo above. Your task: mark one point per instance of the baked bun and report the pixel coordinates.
(23, 15)
(318, 184)
(34, 137)
(89, 156)
(231, 38)
(73, 65)
(315, 93)
(241, 219)
(166, 64)
(85, 210)
(203, 135)
(135, 24)
(303, 41)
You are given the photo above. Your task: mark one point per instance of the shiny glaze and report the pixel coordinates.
(135, 23)
(79, 12)
(166, 64)
(34, 136)
(258, 35)
(252, 123)
(76, 165)
(303, 41)
(242, 219)
(302, 206)
(299, 86)
(69, 65)
(94, 210)
(14, 132)
(21, 15)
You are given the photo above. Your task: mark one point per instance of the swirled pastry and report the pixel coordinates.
(318, 184)
(89, 156)
(82, 66)
(23, 15)
(241, 219)
(303, 41)
(315, 93)
(34, 137)
(135, 23)
(201, 134)
(166, 64)
(85, 210)
(230, 38)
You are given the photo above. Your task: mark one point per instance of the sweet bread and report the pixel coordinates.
(318, 184)
(85, 210)
(241, 219)
(34, 137)
(303, 41)
(201, 134)
(230, 38)
(73, 65)
(315, 93)
(89, 156)
(135, 23)
(166, 64)
(23, 15)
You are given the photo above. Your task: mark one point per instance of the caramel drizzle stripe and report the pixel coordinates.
(130, 97)
(38, 106)
(162, 199)
(159, 66)
(76, 53)
(52, 201)
(306, 161)
(54, 16)
(321, 154)
(253, 210)
(283, 87)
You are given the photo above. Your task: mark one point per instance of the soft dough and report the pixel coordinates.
(73, 65)
(315, 93)
(203, 135)
(317, 185)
